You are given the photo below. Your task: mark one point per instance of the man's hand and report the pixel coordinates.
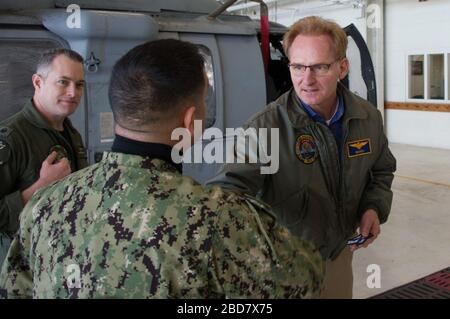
(49, 173)
(370, 224)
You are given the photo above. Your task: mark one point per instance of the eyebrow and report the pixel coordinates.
(309, 64)
(70, 79)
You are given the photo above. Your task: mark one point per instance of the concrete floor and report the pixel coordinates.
(415, 241)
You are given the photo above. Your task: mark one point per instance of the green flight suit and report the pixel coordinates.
(26, 139)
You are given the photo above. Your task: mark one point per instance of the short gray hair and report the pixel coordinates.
(47, 57)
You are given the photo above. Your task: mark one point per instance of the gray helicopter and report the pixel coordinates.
(245, 62)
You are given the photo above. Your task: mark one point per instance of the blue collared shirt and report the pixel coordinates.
(335, 124)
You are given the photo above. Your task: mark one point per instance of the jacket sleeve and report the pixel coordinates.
(242, 171)
(10, 199)
(378, 194)
(254, 257)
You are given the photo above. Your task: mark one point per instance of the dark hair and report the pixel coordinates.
(47, 57)
(154, 81)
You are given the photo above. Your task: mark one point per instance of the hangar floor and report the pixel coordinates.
(415, 241)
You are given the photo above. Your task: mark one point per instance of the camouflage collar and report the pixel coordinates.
(145, 149)
(138, 161)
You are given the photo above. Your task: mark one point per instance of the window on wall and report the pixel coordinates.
(428, 76)
(416, 77)
(436, 77)
(448, 76)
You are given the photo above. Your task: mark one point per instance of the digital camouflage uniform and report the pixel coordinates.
(26, 139)
(134, 227)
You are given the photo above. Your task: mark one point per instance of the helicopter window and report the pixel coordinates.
(211, 96)
(17, 65)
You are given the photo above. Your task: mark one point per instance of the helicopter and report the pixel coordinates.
(244, 59)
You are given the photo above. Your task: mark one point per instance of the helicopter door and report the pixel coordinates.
(361, 78)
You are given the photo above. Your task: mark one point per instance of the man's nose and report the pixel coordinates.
(71, 90)
(309, 76)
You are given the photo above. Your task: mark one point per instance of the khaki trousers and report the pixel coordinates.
(338, 283)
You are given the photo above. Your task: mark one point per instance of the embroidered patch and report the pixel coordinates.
(306, 149)
(359, 148)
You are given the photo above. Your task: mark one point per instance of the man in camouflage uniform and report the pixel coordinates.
(131, 226)
(39, 145)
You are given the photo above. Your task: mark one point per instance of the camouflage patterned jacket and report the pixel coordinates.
(134, 227)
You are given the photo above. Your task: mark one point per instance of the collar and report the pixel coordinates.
(299, 118)
(338, 111)
(144, 149)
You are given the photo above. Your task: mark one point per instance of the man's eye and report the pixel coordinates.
(62, 82)
(321, 67)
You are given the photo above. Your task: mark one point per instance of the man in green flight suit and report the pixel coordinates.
(132, 226)
(39, 145)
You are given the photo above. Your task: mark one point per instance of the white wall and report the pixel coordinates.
(410, 27)
(429, 129)
(413, 27)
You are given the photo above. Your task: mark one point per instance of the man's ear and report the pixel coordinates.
(344, 67)
(188, 119)
(37, 81)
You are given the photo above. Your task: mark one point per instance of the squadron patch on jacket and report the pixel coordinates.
(359, 148)
(306, 149)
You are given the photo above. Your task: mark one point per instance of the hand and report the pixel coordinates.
(52, 171)
(370, 224)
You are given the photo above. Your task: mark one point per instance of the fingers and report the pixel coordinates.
(51, 158)
(64, 166)
(375, 231)
(365, 229)
(369, 241)
(51, 172)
